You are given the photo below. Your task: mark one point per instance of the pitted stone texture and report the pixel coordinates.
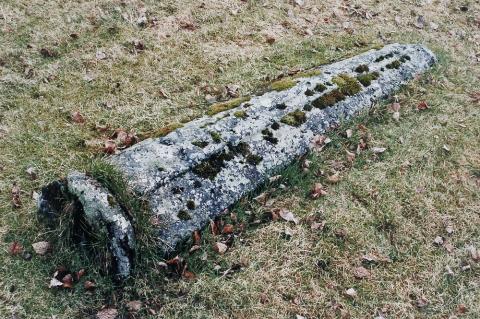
(160, 169)
(101, 210)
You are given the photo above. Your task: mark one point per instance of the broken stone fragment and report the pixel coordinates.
(195, 172)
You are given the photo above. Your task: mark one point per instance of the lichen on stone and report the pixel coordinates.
(295, 118)
(227, 105)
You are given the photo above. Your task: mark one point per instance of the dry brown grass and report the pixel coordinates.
(194, 49)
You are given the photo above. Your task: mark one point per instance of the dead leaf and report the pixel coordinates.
(446, 148)
(448, 247)
(110, 147)
(396, 116)
(350, 292)
(54, 282)
(474, 253)
(475, 96)
(361, 272)
(422, 106)
(194, 248)
(107, 313)
(100, 55)
(134, 305)
(48, 53)
(31, 172)
(461, 309)
(335, 178)
(228, 229)
(421, 302)
(270, 39)
(395, 107)
(318, 226)
(80, 273)
(319, 142)
(214, 228)
(197, 238)
(77, 117)
(41, 247)
(15, 248)
(16, 202)
(318, 191)
(449, 229)
(438, 240)
(187, 23)
(349, 133)
(233, 90)
(420, 22)
(89, 285)
(67, 281)
(287, 215)
(378, 150)
(350, 156)
(220, 248)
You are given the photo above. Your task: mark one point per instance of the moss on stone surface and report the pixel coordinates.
(163, 130)
(216, 137)
(320, 87)
(211, 167)
(227, 105)
(241, 114)
(328, 99)
(200, 144)
(346, 84)
(362, 68)
(268, 136)
(283, 84)
(366, 79)
(295, 118)
(394, 65)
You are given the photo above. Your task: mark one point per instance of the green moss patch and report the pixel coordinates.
(328, 99)
(295, 118)
(394, 65)
(162, 131)
(366, 79)
(347, 85)
(216, 137)
(283, 84)
(200, 144)
(362, 68)
(320, 87)
(227, 105)
(241, 114)
(268, 136)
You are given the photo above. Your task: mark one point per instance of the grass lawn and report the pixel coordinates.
(409, 215)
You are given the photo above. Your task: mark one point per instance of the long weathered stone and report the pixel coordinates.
(194, 173)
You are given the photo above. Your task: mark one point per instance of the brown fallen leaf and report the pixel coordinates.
(41, 247)
(395, 107)
(421, 302)
(16, 202)
(351, 292)
(220, 248)
(474, 253)
(475, 96)
(287, 215)
(134, 305)
(228, 229)
(333, 179)
(214, 228)
(350, 156)
(378, 150)
(319, 142)
(89, 285)
(47, 53)
(77, 117)
(422, 106)
(270, 39)
(67, 281)
(15, 248)
(438, 240)
(31, 173)
(318, 191)
(361, 272)
(197, 238)
(461, 308)
(107, 313)
(54, 282)
(79, 274)
(110, 147)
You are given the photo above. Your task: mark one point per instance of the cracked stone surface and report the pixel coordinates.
(194, 173)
